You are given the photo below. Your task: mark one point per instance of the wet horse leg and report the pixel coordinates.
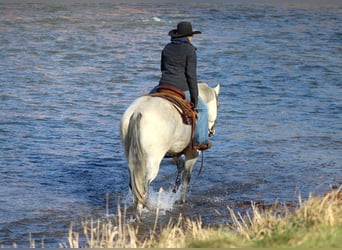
(180, 171)
(191, 158)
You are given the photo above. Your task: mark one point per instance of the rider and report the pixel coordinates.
(178, 67)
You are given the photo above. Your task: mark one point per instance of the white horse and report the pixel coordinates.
(152, 128)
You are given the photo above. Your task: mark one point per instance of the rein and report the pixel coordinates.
(200, 170)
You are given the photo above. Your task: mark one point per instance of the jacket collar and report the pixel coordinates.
(180, 40)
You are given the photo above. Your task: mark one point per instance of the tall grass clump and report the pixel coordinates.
(110, 232)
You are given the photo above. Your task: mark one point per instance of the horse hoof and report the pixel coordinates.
(181, 202)
(178, 202)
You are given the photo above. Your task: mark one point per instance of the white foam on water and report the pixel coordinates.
(164, 200)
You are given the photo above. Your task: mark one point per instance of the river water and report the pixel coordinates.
(69, 70)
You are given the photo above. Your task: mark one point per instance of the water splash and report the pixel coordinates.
(163, 200)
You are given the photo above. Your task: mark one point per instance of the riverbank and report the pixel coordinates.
(316, 222)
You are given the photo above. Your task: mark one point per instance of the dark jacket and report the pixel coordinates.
(178, 66)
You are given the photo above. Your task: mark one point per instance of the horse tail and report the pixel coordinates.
(136, 160)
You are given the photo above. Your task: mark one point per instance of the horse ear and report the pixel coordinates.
(217, 89)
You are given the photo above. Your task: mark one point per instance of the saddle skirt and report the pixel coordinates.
(177, 98)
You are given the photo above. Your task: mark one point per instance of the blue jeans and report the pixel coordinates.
(201, 129)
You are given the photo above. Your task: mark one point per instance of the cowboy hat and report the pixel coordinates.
(183, 29)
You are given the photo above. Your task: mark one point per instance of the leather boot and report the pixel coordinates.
(202, 146)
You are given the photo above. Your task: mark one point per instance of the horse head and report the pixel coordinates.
(210, 96)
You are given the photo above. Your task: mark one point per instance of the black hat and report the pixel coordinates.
(183, 29)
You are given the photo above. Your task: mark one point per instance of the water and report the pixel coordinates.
(68, 71)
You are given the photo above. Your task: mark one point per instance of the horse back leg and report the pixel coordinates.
(138, 186)
(141, 176)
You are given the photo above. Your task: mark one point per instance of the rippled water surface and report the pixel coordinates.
(69, 70)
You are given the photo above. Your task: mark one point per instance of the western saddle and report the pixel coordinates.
(184, 107)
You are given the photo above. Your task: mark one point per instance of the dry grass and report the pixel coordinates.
(316, 221)
(271, 228)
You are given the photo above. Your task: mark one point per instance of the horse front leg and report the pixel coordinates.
(190, 159)
(180, 171)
